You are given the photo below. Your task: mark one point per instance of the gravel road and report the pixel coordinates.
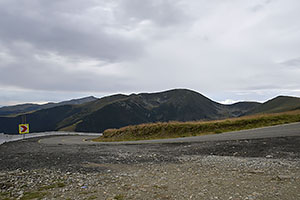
(261, 168)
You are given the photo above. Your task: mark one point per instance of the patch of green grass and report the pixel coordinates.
(84, 192)
(119, 197)
(163, 187)
(33, 195)
(60, 184)
(5, 196)
(55, 185)
(186, 129)
(92, 197)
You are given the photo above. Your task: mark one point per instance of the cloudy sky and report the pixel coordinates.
(228, 50)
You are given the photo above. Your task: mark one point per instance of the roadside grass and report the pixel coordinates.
(163, 130)
(92, 197)
(5, 196)
(55, 185)
(33, 195)
(119, 197)
(39, 194)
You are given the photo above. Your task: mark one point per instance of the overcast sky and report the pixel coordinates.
(228, 50)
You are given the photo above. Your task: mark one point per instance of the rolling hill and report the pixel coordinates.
(173, 105)
(121, 110)
(278, 104)
(25, 108)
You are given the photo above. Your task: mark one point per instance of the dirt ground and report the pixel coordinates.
(240, 169)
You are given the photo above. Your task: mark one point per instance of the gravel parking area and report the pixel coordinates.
(241, 169)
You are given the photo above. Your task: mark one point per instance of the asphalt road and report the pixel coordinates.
(77, 153)
(262, 162)
(286, 130)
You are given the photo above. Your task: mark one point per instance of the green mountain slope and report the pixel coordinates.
(22, 108)
(121, 110)
(278, 104)
(173, 105)
(55, 118)
(42, 120)
(242, 108)
(25, 108)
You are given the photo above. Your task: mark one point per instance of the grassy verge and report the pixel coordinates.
(186, 129)
(55, 185)
(33, 195)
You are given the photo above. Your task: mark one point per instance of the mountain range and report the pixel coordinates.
(95, 115)
(25, 108)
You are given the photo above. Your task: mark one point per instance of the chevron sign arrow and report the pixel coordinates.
(23, 128)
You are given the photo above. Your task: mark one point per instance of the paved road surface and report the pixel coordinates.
(252, 164)
(74, 153)
(267, 132)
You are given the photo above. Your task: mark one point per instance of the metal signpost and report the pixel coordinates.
(24, 127)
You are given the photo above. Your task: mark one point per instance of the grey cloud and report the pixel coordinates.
(261, 5)
(63, 26)
(161, 12)
(49, 78)
(257, 8)
(294, 62)
(261, 87)
(54, 30)
(26, 68)
(214, 47)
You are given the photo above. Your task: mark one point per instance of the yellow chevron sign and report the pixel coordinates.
(23, 128)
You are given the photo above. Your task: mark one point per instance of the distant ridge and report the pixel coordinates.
(278, 104)
(24, 108)
(172, 105)
(121, 110)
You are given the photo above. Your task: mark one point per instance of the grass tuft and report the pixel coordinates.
(55, 185)
(33, 195)
(92, 197)
(162, 130)
(119, 197)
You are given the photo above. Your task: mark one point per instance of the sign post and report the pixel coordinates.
(23, 129)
